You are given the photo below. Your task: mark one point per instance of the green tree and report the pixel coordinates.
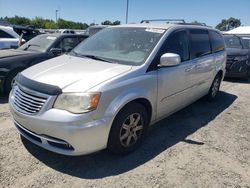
(107, 22)
(17, 20)
(117, 22)
(228, 24)
(42, 23)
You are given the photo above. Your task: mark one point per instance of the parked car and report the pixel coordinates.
(27, 32)
(108, 90)
(65, 31)
(94, 29)
(238, 56)
(9, 38)
(38, 49)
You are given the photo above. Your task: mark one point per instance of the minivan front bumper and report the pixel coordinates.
(62, 132)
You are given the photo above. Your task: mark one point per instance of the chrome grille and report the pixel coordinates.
(26, 102)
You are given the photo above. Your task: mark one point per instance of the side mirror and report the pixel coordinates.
(170, 59)
(56, 51)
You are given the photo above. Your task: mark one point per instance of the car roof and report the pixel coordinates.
(57, 35)
(165, 26)
(9, 30)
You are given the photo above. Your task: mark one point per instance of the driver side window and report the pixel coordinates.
(178, 43)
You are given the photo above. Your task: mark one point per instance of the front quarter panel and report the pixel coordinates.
(128, 88)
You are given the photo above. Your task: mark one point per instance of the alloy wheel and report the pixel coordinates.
(131, 130)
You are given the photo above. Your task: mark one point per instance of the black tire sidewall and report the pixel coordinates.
(114, 144)
(210, 96)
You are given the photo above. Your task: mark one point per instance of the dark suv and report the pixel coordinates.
(238, 56)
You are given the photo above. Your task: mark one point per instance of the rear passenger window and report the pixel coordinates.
(199, 43)
(178, 43)
(3, 34)
(216, 41)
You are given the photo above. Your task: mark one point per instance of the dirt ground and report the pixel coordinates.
(205, 145)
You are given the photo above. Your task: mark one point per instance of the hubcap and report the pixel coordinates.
(131, 130)
(215, 87)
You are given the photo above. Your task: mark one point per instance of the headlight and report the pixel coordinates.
(77, 102)
(241, 58)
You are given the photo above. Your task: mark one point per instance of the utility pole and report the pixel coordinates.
(56, 14)
(127, 12)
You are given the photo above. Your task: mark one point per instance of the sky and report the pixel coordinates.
(210, 12)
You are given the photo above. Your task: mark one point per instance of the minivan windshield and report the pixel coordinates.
(122, 45)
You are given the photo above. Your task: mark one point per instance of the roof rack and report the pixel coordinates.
(175, 21)
(165, 20)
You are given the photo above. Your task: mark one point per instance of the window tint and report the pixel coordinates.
(81, 38)
(245, 41)
(216, 41)
(232, 41)
(3, 34)
(67, 44)
(178, 43)
(199, 43)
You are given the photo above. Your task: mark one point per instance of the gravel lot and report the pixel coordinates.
(204, 145)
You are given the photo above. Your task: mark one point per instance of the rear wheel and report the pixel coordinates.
(215, 87)
(129, 129)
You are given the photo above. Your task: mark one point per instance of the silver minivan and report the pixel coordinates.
(108, 90)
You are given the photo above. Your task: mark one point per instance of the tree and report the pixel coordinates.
(228, 24)
(107, 22)
(117, 22)
(42, 23)
(17, 20)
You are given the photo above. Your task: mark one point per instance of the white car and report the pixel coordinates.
(65, 31)
(9, 38)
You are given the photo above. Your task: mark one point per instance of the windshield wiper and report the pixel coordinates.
(29, 45)
(91, 56)
(97, 58)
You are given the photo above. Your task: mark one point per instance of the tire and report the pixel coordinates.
(128, 129)
(215, 88)
(9, 82)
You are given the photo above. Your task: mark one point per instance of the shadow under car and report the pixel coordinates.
(165, 134)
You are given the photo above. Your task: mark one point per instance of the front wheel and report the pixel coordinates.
(129, 129)
(215, 87)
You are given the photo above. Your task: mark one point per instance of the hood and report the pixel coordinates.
(237, 52)
(76, 73)
(15, 53)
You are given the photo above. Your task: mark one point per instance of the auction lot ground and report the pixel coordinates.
(204, 145)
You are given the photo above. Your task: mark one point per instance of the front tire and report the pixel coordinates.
(128, 129)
